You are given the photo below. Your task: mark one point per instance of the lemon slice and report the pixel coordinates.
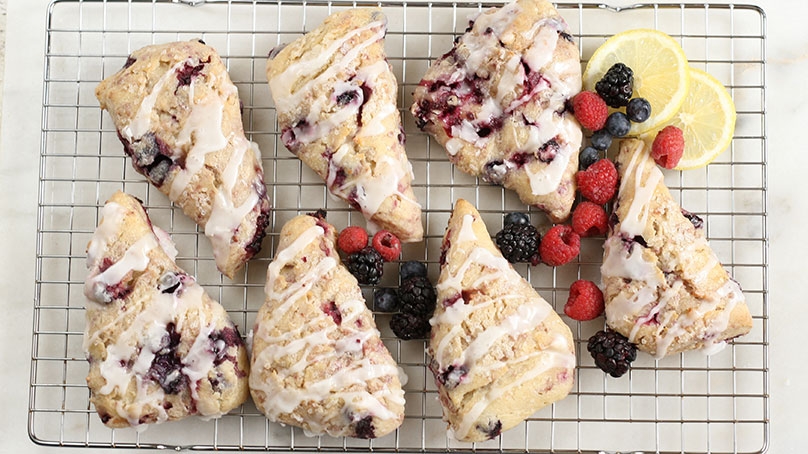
(707, 119)
(660, 71)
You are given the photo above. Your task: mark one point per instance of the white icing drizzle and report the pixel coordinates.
(529, 314)
(314, 345)
(129, 358)
(141, 123)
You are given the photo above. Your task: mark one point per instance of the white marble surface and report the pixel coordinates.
(787, 107)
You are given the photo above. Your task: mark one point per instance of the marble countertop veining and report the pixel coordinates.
(787, 111)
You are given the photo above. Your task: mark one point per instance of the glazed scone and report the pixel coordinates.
(335, 94)
(159, 347)
(664, 287)
(318, 361)
(497, 103)
(178, 116)
(499, 351)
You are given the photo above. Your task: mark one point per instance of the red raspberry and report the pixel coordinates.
(668, 147)
(598, 182)
(352, 239)
(585, 301)
(560, 245)
(590, 110)
(589, 219)
(387, 244)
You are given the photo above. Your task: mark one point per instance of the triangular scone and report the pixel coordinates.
(497, 103)
(336, 94)
(499, 351)
(664, 287)
(159, 347)
(318, 361)
(178, 116)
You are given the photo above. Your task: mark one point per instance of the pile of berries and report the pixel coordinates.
(413, 302)
(520, 242)
(366, 262)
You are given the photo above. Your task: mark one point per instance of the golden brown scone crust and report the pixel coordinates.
(336, 99)
(318, 361)
(497, 103)
(159, 347)
(178, 116)
(499, 351)
(664, 287)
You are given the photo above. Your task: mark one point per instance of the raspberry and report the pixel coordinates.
(387, 244)
(585, 301)
(352, 239)
(668, 147)
(589, 219)
(598, 183)
(590, 110)
(560, 245)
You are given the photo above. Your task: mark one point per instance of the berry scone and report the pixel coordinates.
(499, 351)
(318, 361)
(159, 347)
(178, 116)
(497, 103)
(664, 287)
(335, 95)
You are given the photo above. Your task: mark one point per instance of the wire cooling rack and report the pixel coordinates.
(684, 403)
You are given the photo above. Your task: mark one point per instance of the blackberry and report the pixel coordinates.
(412, 268)
(410, 326)
(519, 243)
(601, 140)
(516, 218)
(587, 157)
(616, 86)
(366, 265)
(638, 110)
(612, 352)
(417, 296)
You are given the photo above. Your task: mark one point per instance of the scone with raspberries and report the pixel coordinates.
(664, 287)
(159, 347)
(178, 116)
(499, 352)
(318, 361)
(335, 95)
(497, 103)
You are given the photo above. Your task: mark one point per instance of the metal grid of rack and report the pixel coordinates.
(684, 403)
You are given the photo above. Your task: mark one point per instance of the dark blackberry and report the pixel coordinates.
(385, 300)
(516, 219)
(519, 243)
(638, 110)
(612, 352)
(408, 326)
(417, 296)
(616, 86)
(366, 265)
(601, 140)
(587, 157)
(412, 268)
(617, 124)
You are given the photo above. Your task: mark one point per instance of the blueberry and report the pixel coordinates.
(517, 219)
(617, 124)
(601, 140)
(638, 110)
(412, 268)
(385, 300)
(588, 157)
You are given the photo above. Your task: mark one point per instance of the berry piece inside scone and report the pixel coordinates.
(498, 103)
